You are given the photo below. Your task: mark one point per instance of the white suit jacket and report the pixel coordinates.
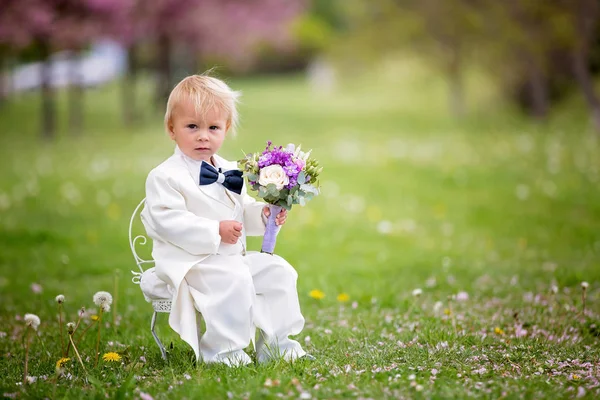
(183, 217)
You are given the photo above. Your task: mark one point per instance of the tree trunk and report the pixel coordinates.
(48, 127)
(586, 15)
(164, 70)
(4, 76)
(130, 114)
(75, 95)
(538, 89)
(586, 83)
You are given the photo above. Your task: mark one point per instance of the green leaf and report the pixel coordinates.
(262, 192)
(290, 200)
(272, 189)
(95, 382)
(253, 177)
(309, 189)
(301, 177)
(284, 204)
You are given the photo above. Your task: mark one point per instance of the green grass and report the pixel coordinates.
(492, 205)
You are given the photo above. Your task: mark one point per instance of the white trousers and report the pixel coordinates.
(237, 294)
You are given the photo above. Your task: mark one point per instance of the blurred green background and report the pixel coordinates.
(459, 141)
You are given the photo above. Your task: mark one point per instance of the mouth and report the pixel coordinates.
(201, 148)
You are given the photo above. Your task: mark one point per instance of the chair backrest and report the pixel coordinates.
(139, 240)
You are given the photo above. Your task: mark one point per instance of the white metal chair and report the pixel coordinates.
(155, 291)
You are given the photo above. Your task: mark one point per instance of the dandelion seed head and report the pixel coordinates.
(554, 289)
(419, 388)
(60, 299)
(417, 292)
(81, 312)
(70, 327)
(584, 285)
(105, 308)
(101, 298)
(32, 320)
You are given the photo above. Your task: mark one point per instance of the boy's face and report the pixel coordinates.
(197, 137)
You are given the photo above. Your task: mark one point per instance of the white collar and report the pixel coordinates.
(194, 165)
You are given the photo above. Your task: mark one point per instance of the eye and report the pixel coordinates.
(214, 127)
(192, 126)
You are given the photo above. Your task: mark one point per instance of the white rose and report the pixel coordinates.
(273, 174)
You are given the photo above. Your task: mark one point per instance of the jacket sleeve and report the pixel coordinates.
(166, 214)
(254, 220)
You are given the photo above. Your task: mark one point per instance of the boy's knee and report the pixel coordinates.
(285, 270)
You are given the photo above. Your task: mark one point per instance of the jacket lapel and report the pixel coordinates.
(215, 191)
(233, 198)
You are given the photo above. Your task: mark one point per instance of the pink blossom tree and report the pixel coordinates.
(51, 25)
(29, 23)
(79, 23)
(228, 30)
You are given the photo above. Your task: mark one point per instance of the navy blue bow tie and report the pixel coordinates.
(232, 180)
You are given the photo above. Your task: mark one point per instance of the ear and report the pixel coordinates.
(171, 130)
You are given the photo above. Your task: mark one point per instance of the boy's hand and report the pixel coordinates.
(230, 231)
(281, 217)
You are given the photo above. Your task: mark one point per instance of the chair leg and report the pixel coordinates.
(163, 352)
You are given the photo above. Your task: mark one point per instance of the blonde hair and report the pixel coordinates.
(206, 93)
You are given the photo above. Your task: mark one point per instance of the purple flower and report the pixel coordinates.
(284, 157)
(265, 160)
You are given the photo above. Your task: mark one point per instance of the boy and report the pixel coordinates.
(198, 214)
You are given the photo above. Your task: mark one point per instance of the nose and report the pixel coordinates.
(202, 135)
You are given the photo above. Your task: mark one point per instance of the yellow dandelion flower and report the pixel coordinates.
(94, 317)
(447, 311)
(498, 331)
(343, 297)
(111, 357)
(575, 377)
(62, 361)
(316, 294)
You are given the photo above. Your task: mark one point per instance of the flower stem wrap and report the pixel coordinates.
(271, 230)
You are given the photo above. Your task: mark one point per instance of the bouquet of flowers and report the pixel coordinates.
(282, 177)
